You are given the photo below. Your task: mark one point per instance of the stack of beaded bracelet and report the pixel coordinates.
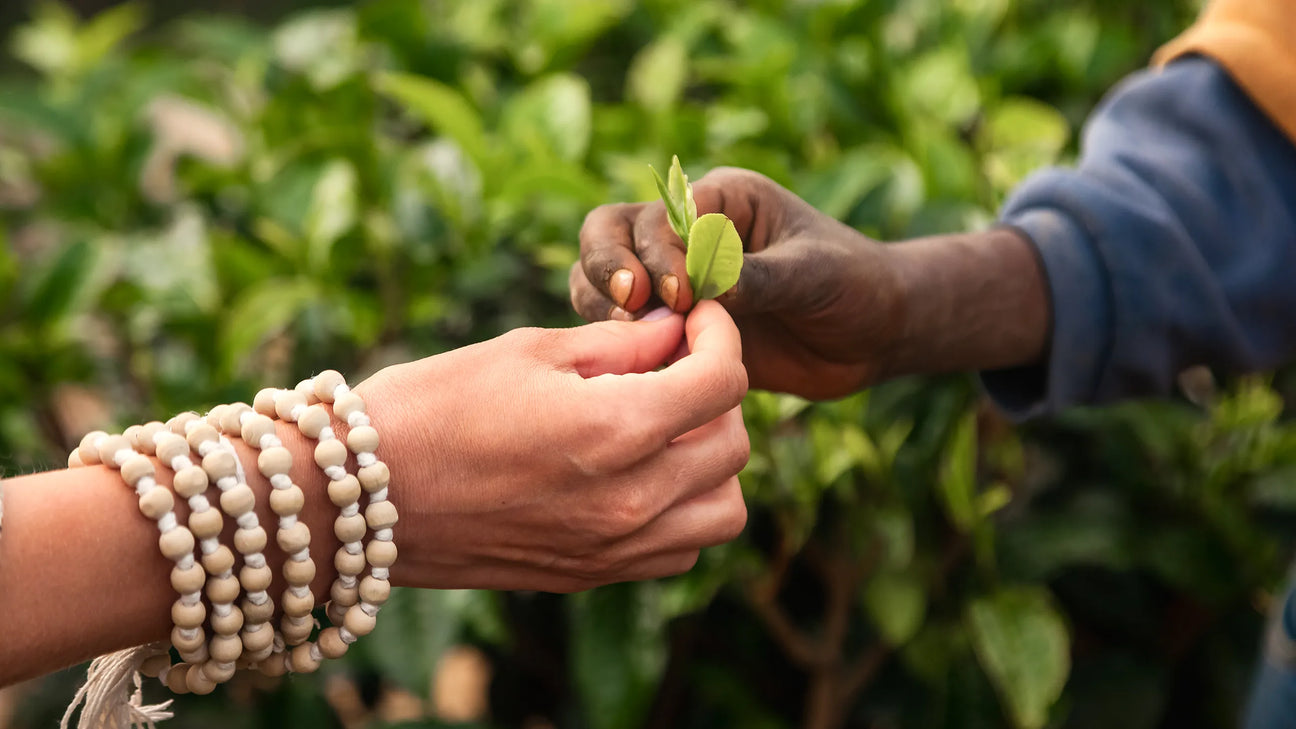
(241, 634)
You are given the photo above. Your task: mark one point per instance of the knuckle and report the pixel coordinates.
(735, 520)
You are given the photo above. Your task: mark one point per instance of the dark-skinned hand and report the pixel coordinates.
(817, 302)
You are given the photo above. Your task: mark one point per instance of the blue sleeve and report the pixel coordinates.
(1172, 244)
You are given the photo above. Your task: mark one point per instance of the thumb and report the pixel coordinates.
(771, 280)
(619, 347)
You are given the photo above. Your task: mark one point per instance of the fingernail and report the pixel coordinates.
(620, 285)
(660, 312)
(616, 313)
(669, 289)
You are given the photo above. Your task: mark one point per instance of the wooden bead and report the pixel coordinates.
(375, 477)
(214, 416)
(198, 682)
(255, 428)
(230, 421)
(326, 383)
(380, 554)
(331, 644)
(132, 434)
(185, 581)
(349, 528)
(358, 622)
(238, 501)
(313, 421)
(256, 579)
(307, 389)
(157, 502)
(347, 564)
(220, 561)
(255, 640)
(285, 401)
(381, 515)
(225, 648)
(344, 595)
(222, 589)
(148, 433)
(336, 612)
(303, 661)
(74, 460)
(274, 460)
(153, 665)
(170, 447)
(175, 679)
(228, 624)
(218, 671)
(220, 464)
(349, 403)
(137, 468)
(296, 606)
(254, 613)
(182, 643)
(190, 481)
(110, 446)
(264, 401)
(375, 591)
(362, 439)
(345, 491)
(86, 450)
(287, 502)
(195, 656)
(207, 523)
(188, 616)
(201, 433)
(293, 539)
(178, 424)
(330, 453)
(176, 543)
(250, 541)
(273, 666)
(296, 633)
(299, 574)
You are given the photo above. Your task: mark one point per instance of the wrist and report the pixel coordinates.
(972, 301)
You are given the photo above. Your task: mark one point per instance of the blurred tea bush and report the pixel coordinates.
(195, 210)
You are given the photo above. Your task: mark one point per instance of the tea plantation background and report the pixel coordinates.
(195, 202)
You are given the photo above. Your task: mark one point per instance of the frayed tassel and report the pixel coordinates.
(105, 694)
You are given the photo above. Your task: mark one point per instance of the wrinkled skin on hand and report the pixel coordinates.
(817, 304)
(560, 460)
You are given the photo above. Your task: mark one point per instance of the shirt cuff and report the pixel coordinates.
(1080, 326)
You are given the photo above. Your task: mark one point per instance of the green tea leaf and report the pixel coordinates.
(674, 210)
(896, 602)
(441, 107)
(1022, 643)
(715, 256)
(681, 193)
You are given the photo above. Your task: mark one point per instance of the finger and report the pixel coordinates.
(662, 252)
(664, 404)
(608, 255)
(592, 304)
(618, 348)
(714, 517)
(772, 280)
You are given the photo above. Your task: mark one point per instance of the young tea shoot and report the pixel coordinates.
(714, 255)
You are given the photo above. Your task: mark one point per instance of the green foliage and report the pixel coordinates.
(194, 210)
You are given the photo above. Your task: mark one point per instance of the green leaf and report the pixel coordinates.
(896, 602)
(417, 627)
(715, 256)
(63, 286)
(440, 107)
(618, 638)
(551, 118)
(261, 312)
(674, 194)
(958, 476)
(657, 74)
(1023, 645)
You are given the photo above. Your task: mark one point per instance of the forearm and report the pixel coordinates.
(81, 573)
(969, 302)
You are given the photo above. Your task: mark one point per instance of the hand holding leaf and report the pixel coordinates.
(714, 249)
